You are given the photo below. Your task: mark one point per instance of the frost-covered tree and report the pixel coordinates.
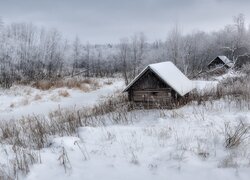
(138, 43)
(29, 53)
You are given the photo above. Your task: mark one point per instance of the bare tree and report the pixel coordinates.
(76, 54)
(1, 23)
(123, 56)
(235, 36)
(87, 59)
(174, 45)
(138, 48)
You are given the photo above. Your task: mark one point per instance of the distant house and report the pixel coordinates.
(160, 84)
(242, 61)
(220, 62)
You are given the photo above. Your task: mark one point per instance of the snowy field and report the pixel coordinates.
(24, 100)
(187, 143)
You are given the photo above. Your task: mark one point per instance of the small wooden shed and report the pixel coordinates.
(160, 84)
(220, 62)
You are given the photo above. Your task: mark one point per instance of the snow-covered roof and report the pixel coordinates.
(225, 60)
(170, 74)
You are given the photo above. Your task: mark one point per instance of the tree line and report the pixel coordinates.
(29, 53)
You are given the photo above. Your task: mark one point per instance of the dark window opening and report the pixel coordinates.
(154, 93)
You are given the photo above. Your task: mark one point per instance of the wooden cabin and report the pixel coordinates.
(220, 62)
(160, 84)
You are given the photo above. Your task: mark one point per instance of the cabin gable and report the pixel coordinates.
(151, 91)
(149, 81)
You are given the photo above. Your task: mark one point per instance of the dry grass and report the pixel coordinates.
(55, 97)
(234, 135)
(37, 97)
(63, 93)
(34, 131)
(87, 81)
(25, 101)
(43, 85)
(232, 89)
(30, 134)
(85, 87)
(109, 82)
(82, 84)
(228, 162)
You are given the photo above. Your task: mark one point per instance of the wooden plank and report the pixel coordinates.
(149, 81)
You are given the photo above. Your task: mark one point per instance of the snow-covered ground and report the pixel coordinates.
(229, 74)
(203, 86)
(187, 143)
(24, 100)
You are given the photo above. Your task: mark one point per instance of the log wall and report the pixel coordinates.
(150, 91)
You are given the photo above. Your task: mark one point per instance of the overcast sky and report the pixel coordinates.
(104, 21)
